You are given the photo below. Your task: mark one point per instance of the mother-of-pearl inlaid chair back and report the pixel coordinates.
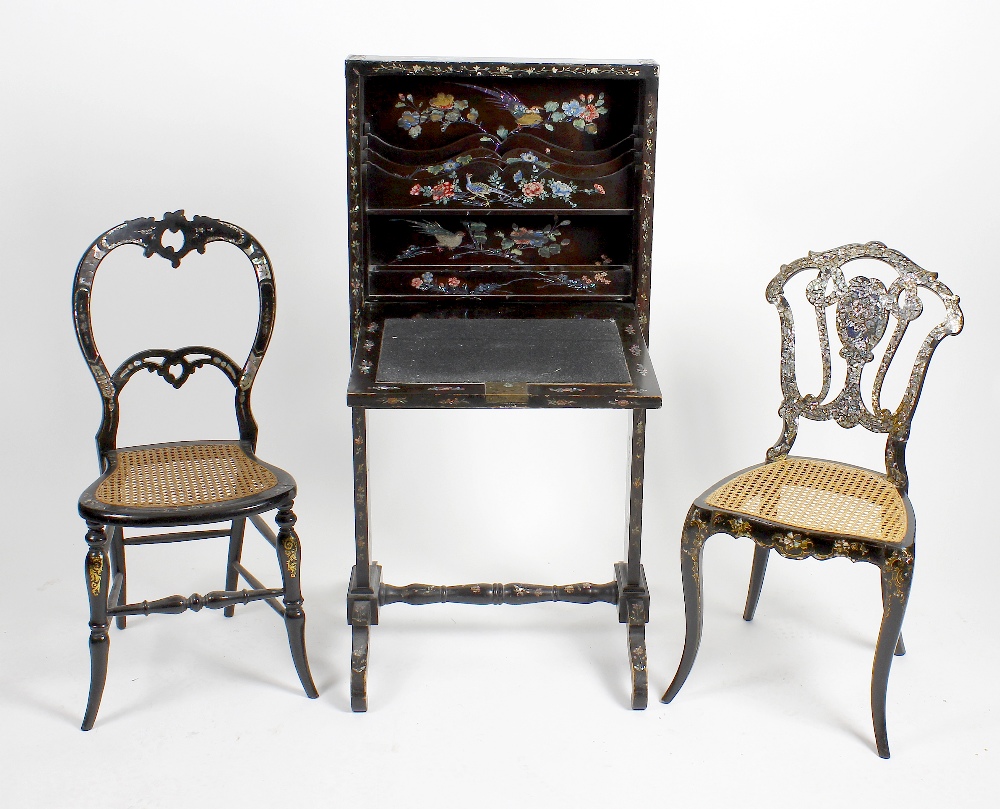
(870, 320)
(175, 366)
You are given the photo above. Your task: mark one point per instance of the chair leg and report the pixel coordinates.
(900, 647)
(692, 542)
(289, 555)
(897, 575)
(97, 568)
(118, 566)
(235, 554)
(760, 556)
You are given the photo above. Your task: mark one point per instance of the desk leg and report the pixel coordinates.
(633, 594)
(362, 594)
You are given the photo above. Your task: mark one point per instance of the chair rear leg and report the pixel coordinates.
(235, 554)
(760, 556)
(289, 556)
(118, 567)
(97, 568)
(692, 542)
(897, 574)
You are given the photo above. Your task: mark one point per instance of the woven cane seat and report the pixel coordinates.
(183, 475)
(817, 495)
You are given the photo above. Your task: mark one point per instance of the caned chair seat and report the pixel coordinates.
(183, 475)
(184, 483)
(815, 495)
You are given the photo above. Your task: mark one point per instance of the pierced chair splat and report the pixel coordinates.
(812, 508)
(183, 483)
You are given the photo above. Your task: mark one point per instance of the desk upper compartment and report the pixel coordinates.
(485, 191)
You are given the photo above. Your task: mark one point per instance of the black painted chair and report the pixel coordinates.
(185, 483)
(805, 507)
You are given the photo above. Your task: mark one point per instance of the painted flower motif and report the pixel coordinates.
(532, 189)
(529, 157)
(415, 191)
(410, 121)
(589, 113)
(602, 278)
(531, 238)
(442, 101)
(450, 165)
(599, 188)
(453, 282)
(560, 189)
(443, 190)
(572, 109)
(416, 283)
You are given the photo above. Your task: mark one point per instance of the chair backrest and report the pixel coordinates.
(175, 366)
(863, 311)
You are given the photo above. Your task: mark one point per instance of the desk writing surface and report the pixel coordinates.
(455, 350)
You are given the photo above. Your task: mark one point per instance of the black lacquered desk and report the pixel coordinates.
(500, 258)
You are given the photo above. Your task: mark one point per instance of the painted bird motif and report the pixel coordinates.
(444, 237)
(478, 189)
(523, 114)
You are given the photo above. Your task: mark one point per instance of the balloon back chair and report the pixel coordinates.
(804, 507)
(185, 483)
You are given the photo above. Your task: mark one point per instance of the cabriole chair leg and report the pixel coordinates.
(692, 543)
(897, 575)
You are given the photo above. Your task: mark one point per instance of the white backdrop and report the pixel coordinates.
(784, 127)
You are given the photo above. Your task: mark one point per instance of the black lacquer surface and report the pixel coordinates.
(452, 351)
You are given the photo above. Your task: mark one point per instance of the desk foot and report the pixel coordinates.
(359, 667)
(633, 610)
(362, 614)
(637, 659)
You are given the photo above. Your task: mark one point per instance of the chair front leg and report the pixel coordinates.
(97, 569)
(900, 647)
(693, 537)
(897, 575)
(289, 556)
